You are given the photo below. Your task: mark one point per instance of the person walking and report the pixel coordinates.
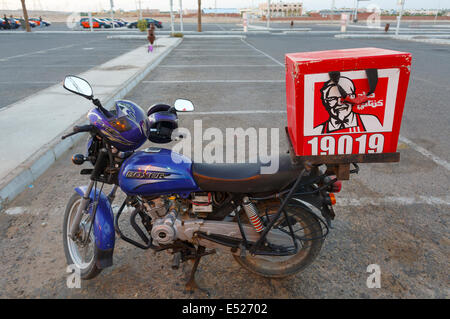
(7, 25)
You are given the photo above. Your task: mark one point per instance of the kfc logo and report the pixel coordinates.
(337, 100)
(344, 115)
(337, 107)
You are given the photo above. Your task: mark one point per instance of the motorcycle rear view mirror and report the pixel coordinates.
(182, 105)
(78, 86)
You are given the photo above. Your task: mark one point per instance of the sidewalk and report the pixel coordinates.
(426, 38)
(32, 128)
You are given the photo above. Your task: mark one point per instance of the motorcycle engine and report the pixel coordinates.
(164, 213)
(170, 214)
(163, 230)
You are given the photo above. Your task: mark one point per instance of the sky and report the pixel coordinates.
(96, 5)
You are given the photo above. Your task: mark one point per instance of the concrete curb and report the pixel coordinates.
(28, 171)
(190, 36)
(432, 39)
(207, 36)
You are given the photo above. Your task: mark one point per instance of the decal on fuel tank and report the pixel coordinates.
(147, 175)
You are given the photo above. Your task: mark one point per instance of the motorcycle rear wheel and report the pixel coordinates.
(280, 267)
(76, 253)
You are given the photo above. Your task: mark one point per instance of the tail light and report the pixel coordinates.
(336, 187)
(331, 199)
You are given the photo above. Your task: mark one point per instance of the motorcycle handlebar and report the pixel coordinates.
(79, 129)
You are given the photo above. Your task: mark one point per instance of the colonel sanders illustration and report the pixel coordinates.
(338, 100)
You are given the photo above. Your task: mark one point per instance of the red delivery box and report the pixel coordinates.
(344, 102)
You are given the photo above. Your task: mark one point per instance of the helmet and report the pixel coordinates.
(127, 129)
(164, 121)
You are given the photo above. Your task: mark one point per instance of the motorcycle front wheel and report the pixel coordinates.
(81, 250)
(308, 230)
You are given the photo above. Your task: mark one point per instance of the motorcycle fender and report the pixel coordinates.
(104, 232)
(313, 209)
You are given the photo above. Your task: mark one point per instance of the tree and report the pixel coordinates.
(199, 18)
(25, 16)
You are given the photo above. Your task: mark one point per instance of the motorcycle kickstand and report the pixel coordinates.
(191, 285)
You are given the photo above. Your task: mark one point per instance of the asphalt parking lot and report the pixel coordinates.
(33, 62)
(393, 215)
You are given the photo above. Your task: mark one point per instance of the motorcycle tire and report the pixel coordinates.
(280, 267)
(88, 270)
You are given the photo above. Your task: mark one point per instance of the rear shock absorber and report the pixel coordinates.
(252, 214)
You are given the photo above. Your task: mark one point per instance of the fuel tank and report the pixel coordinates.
(157, 171)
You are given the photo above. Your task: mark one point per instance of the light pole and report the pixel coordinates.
(112, 12)
(181, 15)
(402, 3)
(437, 12)
(355, 15)
(268, 13)
(140, 10)
(90, 21)
(171, 17)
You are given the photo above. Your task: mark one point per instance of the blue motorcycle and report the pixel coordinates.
(274, 225)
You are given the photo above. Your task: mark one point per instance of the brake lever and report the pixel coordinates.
(79, 129)
(67, 135)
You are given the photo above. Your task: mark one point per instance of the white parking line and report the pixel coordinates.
(217, 81)
(211, 43)
(235, 112)
(34, 52)
(425, 152)
(49, 66)
(217, 65)
(29, 82)
(265, 54)
(220, 50)
(38, 52)
(398, 200)
(220, 27)
(217, 55)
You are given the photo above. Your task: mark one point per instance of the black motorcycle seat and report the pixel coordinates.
(244, 177)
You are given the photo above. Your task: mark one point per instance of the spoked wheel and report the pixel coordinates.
(309, 238)
(80, 251)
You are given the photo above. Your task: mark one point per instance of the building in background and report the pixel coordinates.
(281, 9)
(220, 11)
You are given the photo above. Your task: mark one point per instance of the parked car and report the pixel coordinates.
(117, 24)
(109, 21)
(125, 23)
(96, 23)
(157, 23)
(13, 23)
(39, 22)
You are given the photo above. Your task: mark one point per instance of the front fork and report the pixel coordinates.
(83, 208)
